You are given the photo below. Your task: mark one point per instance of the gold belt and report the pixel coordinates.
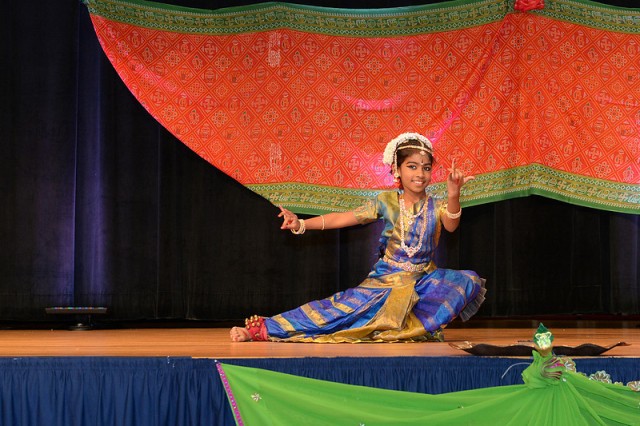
(408, 266)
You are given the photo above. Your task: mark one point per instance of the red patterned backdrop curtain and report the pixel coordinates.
(297, 102)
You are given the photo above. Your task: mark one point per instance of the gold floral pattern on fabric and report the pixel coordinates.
(366, 212)
(600, 376)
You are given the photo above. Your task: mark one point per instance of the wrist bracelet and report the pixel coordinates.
(322, 216)
(453, 215)
(301, 229)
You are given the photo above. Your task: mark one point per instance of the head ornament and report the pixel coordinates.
(390, 152)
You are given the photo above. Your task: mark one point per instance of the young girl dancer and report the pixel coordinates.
(405, 296)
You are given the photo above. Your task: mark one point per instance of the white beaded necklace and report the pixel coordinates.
(411, 251)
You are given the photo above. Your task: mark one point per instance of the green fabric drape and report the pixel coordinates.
(262, 397)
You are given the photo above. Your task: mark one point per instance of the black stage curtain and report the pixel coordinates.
(101, 206)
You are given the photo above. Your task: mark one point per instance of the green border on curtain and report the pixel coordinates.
(533, 179)
(595, 15)
(397, 21)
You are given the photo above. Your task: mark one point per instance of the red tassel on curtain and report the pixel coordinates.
(527, 5)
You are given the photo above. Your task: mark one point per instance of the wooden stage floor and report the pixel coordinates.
(215, 343)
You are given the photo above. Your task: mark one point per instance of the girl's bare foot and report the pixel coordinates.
(239, 334)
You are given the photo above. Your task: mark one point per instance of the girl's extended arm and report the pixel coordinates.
(325, 221)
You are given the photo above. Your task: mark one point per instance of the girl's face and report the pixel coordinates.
(415, 173)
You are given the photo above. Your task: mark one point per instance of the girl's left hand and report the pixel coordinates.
(456, 179)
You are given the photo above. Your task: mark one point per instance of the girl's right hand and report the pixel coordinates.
(289, 220)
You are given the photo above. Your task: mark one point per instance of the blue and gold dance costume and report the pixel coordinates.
(403, 298)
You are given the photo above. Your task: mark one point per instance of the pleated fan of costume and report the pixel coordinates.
(297, 102)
